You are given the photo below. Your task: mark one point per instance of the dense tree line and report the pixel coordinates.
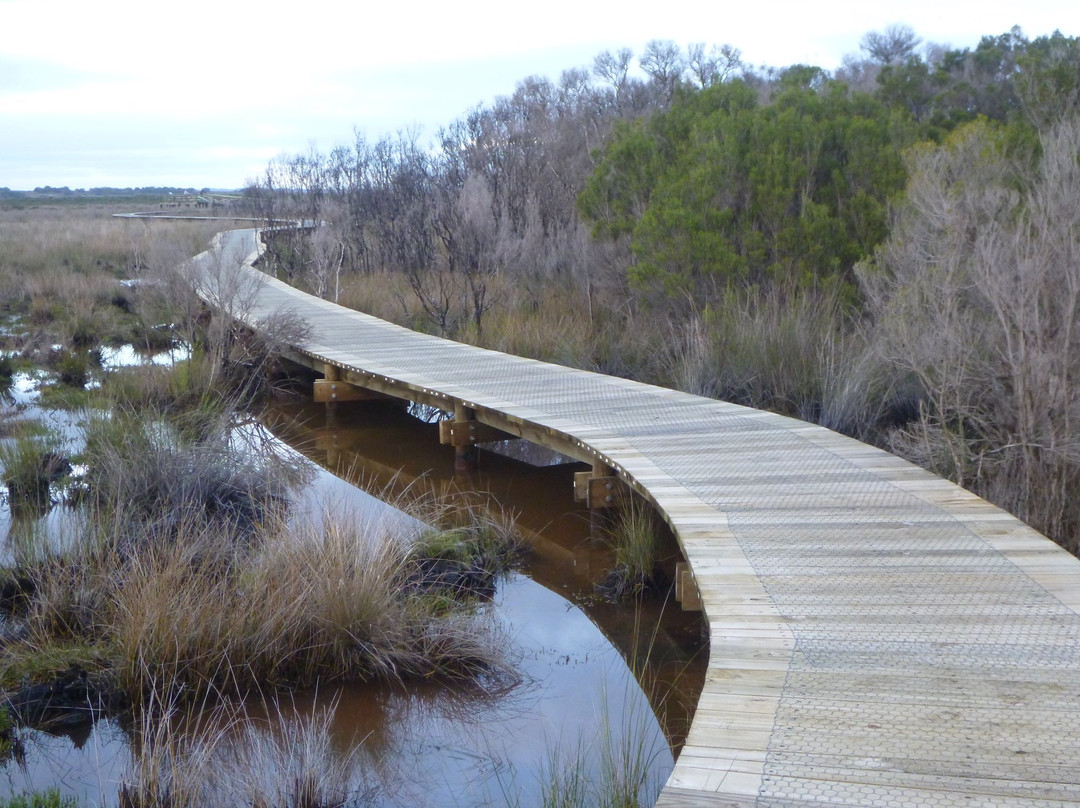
(887, 249)
(697, 172)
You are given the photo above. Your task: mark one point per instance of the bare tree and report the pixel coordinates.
(714, 66)
(895, 45)
(613, 68)
(326, 260)
(860, 75)
(664, 63)
(977, 294)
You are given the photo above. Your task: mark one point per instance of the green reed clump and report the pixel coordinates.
(39, 799)
(471, 537)
(635, 541)
(7, 371)
(31, 461)
(191, 386)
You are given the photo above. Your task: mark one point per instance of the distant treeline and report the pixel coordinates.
(48, 191)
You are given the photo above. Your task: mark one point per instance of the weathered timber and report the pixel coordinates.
(325, 391)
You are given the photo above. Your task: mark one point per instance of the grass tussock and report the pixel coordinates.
(328, 605)
(167, 471)
(192, 579)
(220, 757)
(31, 462)
(634, 536)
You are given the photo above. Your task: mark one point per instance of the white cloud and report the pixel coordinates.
(244, 79)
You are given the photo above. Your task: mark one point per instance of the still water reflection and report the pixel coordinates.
(417, 744)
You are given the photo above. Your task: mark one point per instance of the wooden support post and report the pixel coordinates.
(331, 373)
(599, 488)
(465, 459)
(686, 591)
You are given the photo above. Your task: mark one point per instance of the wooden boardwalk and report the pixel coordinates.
(879, 636)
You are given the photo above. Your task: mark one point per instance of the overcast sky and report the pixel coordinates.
(205, 92)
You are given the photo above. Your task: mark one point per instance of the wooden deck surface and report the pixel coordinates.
(879, 636)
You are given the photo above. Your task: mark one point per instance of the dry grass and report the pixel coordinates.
(803, 353)
(192, 581)
(288, 610)
(60, 269)
(217, 757)
(90, 241)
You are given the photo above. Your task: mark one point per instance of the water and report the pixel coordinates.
(421, 744)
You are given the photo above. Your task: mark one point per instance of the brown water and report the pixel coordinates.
(381, 447)
(428, 744)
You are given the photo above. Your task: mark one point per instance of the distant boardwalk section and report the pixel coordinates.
(879, 636)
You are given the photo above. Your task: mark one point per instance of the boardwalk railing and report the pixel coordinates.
(878, 636)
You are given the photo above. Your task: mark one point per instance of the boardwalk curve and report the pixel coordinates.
(878, 636)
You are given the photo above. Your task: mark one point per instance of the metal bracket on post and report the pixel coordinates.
(599, 488)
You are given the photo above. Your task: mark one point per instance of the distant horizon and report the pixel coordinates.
(116, 100)
(44, 189)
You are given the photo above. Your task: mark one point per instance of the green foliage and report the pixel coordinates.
(8, 739)
(74, 367)
(22, 663)
(1048, 84)
(487, 543)
(30, 463)
(60, 396)
(39, 799)
(720, 190)
(7, 371)
(1005, 78)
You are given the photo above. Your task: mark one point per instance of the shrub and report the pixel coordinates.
(31, 463)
